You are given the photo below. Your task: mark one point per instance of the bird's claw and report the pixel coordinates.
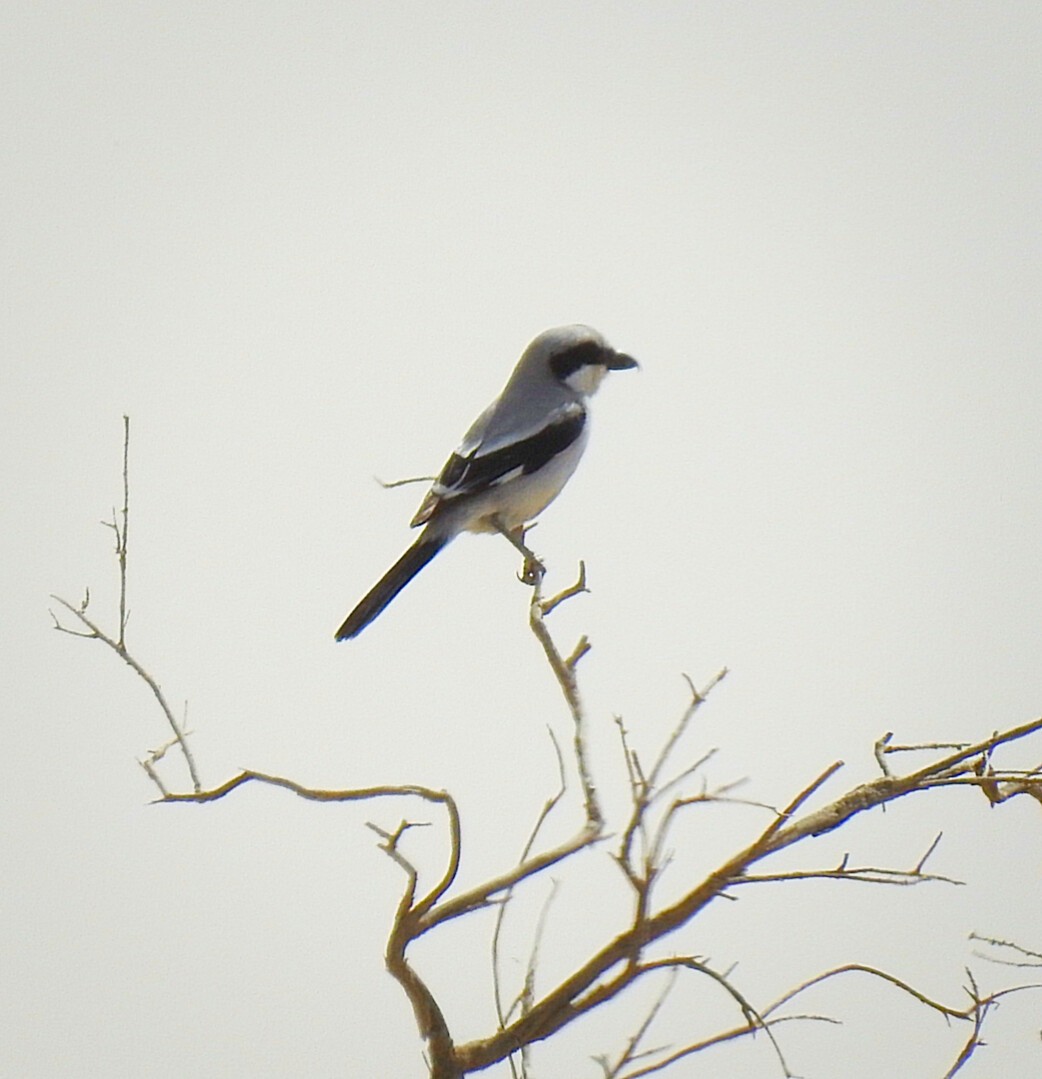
(532, 572)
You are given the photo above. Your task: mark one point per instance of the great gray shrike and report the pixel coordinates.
(513, 461)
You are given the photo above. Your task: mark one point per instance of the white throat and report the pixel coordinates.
(587, 378)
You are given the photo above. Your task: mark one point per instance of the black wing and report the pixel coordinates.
(477, 471)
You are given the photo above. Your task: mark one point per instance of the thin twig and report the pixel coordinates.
(698, 698)
(749, 1013)
(528, 992)
(501, 909)
(481, 894)
(865, 874)
(646, 789)
(388, 485)
(121, 650)
(120, 524)
(744, 1031)
(629, 1052)
(1031, 958)
(122, 535)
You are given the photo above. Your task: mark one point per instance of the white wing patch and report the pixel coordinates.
(508, 476)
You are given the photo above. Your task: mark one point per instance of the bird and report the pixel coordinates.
(513, 461)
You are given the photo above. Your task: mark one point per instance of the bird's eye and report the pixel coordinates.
(574, 358)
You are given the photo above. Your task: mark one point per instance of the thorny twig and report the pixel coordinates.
(1030, 958)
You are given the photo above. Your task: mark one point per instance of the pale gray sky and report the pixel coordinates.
(302, 245)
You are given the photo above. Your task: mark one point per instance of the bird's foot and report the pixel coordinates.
(533, 571)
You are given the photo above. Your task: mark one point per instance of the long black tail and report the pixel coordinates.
(390, 584)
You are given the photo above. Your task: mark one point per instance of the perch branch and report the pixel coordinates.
(564, 671)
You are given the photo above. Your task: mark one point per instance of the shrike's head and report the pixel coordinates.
(577, 356)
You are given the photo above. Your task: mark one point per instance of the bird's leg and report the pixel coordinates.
(533, 570)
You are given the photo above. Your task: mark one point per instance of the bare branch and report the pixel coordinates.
(149, 768)
(120, 525)
(689, 771)
(929, 852)
(564, 671)
(582, 646)
(1031, 958)
(406, 926)
(480, 894)
(390, 847)
(982, 748)
(884, 748)
(733, 1034)
(973, 1042)
(122, 534)
(866, 874)
(947, 771)
(881, 748)
(646, 789)
(497, 931)
(65, 629)
(574, 994)
(753, 1019)
(862, 968)
(547, 605)
(630, 1052)
(698, 698)
(657, 796)
(768, 837)
(121, 650)
(358, 794)
(528, 992)
(154, 756)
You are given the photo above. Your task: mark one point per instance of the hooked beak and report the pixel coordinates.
(619, 361)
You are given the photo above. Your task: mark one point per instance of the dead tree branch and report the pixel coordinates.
(657, 796)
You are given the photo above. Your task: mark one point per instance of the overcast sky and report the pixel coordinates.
(302, 245)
